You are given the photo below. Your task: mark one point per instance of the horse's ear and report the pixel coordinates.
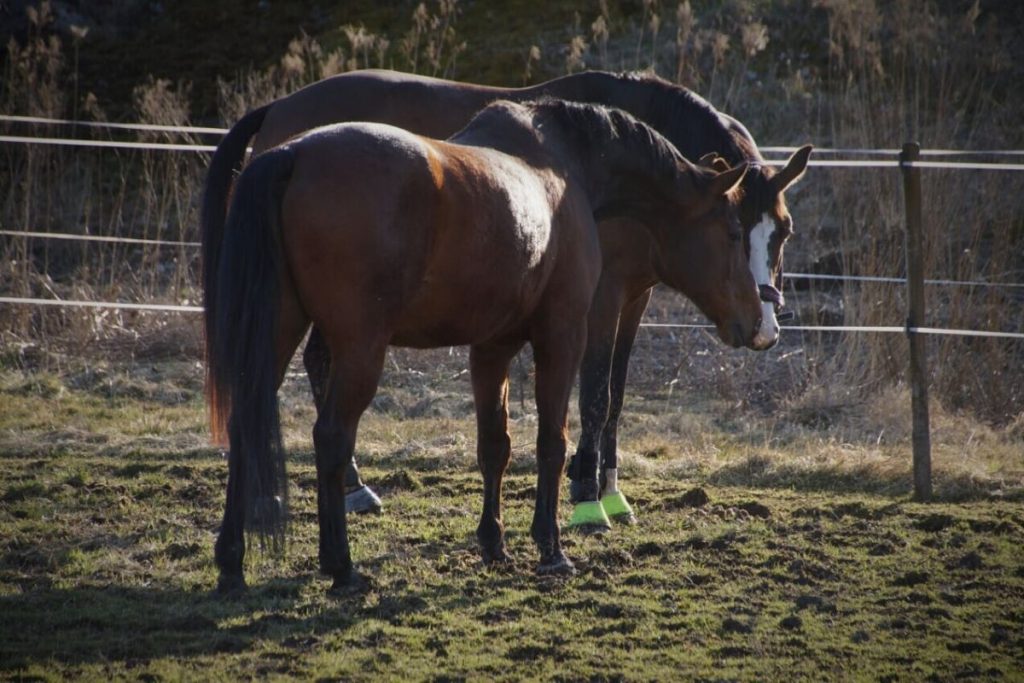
(714, 162)
(793, 169)
(727, 180)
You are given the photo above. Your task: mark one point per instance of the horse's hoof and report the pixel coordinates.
(347, 583)
(617, 508)
(589, 517)
(496, 556)
(231, 585)
(582, 490)
(362, 501)
(560, 565)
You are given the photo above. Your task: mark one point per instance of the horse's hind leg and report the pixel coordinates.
(489, 367)
(317, 359)
(229, 550)
(351, 384)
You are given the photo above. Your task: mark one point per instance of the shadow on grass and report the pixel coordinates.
(86, 625)
(758, 472)
(82, 625)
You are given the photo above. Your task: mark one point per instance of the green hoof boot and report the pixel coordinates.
(617, 508)
(590, 518)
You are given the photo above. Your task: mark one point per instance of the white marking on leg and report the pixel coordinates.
(761, 268)
(611, 481)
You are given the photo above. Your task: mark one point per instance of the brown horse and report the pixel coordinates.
(438, 108)
(380, 237)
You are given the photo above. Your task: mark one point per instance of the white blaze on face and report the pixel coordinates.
(761, 267)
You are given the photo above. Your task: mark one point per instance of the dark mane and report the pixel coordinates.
(695, 127)
(692, 124)
(611, 134)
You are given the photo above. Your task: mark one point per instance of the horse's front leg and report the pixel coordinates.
(351, 384)
(489, 367)
(557, 357)
(317, 359)
(612, 499)
(602, 323)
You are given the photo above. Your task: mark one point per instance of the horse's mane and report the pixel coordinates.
(684, 117)
(693, 125)
(600, 130)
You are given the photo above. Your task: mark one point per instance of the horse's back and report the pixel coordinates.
(427, 106)
(449, 243)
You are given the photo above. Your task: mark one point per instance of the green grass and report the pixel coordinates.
(110, 501)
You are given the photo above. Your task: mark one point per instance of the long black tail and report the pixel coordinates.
(241, 372)
(227, 161)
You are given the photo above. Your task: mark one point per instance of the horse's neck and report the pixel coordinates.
(621, 178)
(689, 122)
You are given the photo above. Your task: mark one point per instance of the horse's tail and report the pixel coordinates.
(242, 376)
(227, 160)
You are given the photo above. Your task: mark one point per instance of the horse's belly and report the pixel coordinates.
(470, 318)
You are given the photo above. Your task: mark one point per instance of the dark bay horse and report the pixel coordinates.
(381, 237)
(438, 108)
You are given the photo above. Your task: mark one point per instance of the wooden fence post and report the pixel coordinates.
(916, 318)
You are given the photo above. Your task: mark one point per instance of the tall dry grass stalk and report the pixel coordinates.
(33, 85)
(304, 62)
(901, 72)
(432, 45)
(122, 193)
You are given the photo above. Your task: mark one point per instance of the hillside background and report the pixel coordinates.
(121, 43)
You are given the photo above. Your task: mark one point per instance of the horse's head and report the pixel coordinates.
(767, 225)
(703, 255)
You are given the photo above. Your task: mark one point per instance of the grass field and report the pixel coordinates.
(757, 556)
(776, 535)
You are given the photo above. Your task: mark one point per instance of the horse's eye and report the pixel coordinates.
(735, 236)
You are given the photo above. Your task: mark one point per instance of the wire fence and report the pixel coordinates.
(842, 163)
(788, 276)
(822, 163)
(206, 130)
